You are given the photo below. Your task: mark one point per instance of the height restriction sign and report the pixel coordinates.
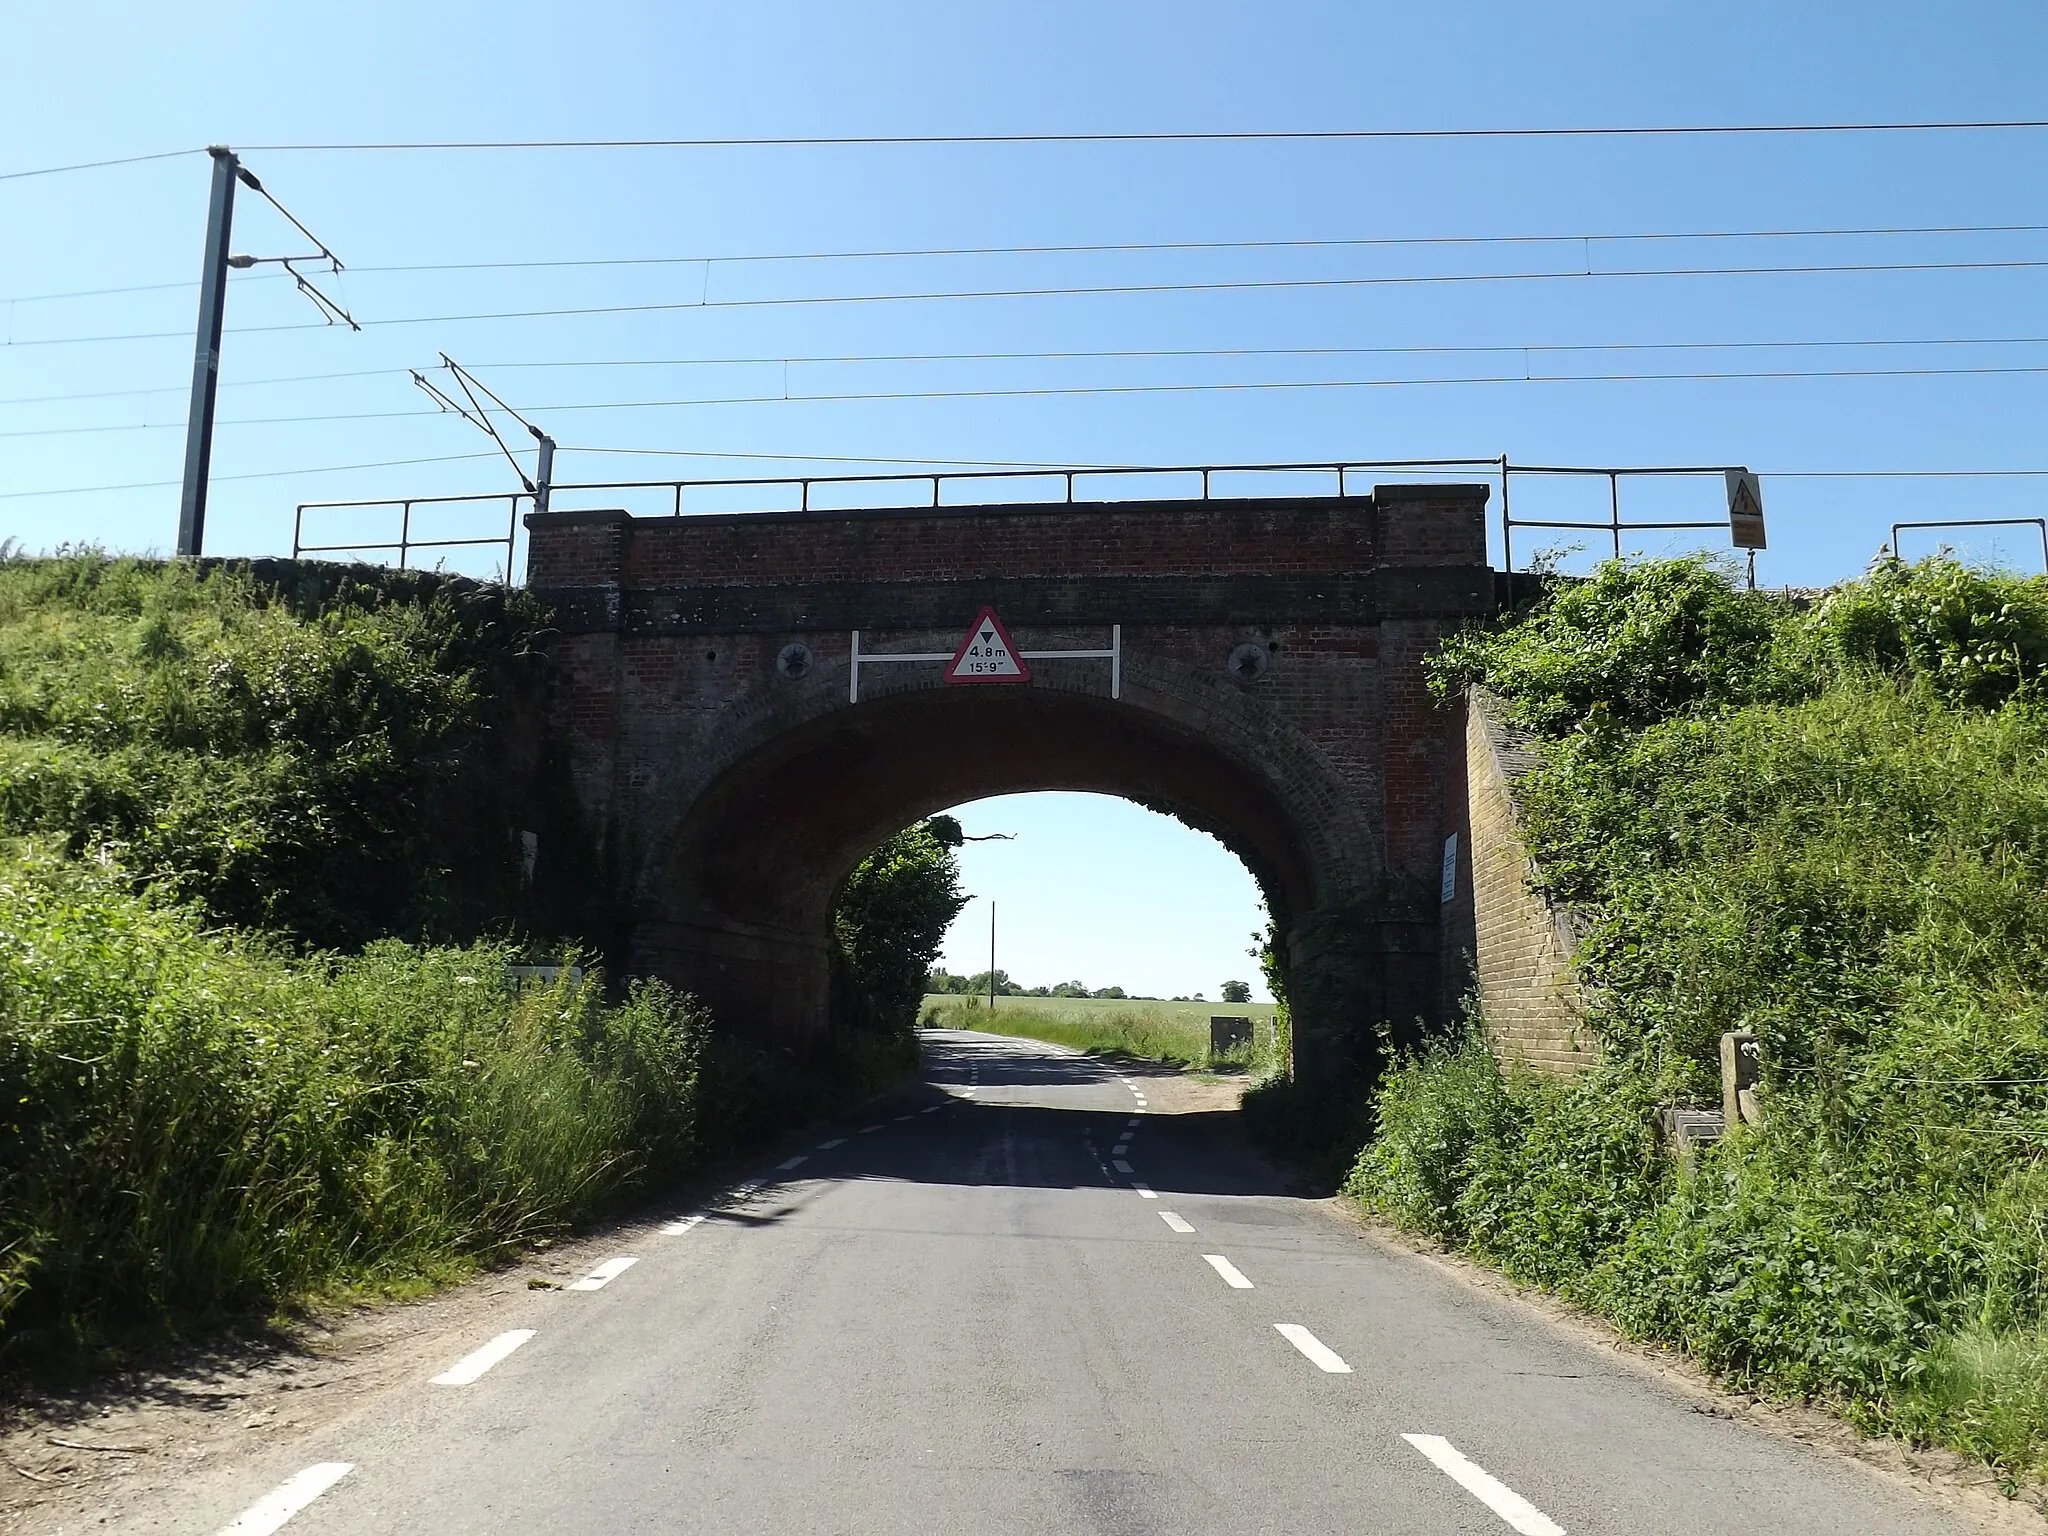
(987, 656)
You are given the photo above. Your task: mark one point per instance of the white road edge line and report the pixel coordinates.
(605, 1274)
(477, 1361)
(1232, 1275)
(1144, 1189)
(1177, 1222)
(791, 1162)
(1489, 1490)
(270, 1512)
(678, 1228)
(1317, 1351)
(836, 1141)
(1120, 1165)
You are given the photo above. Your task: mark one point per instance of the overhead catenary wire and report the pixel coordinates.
(261, 474)
(1089, 290)
(1085, 354)
(98, 165)
(1161, 136)
(1608, 237)
(1186, 136)
(1056, 390)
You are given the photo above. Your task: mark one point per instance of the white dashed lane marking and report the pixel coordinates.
(869, 1130)
(911, 1116)
(1232, 1275)
(1178, 1223)
(678, 1228)
(605, 1274)
(1489, 1490)
(1120, 1165)
(791, 1162)
(477, 1361)
(1145, 1190)
(836, 1141)
(1120, 1149)
(1132, 1122)
(1317, 1351)
(267, 1514)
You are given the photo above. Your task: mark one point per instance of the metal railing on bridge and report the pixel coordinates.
(967, 489)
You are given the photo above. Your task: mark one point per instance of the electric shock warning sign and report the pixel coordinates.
(987, 656)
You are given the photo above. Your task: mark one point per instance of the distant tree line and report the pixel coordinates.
(946, 983)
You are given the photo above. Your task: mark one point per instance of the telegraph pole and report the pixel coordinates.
(991, 957)
(213, 298)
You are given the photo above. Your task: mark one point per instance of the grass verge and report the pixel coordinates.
(1144, 1030)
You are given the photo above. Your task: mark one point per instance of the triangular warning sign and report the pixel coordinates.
(987, 656)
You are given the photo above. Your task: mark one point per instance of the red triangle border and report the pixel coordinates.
(988, 616)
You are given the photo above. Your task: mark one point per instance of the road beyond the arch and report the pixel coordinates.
(1022, 1297)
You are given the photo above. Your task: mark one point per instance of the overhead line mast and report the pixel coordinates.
(213, 300)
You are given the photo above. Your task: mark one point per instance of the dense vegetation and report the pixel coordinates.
(890, 919)
(313, 763)
(1826, 823)
(260, 884)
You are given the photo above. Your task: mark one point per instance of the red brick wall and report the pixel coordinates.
(731, 797)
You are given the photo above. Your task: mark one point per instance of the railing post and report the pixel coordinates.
(679, 499)
(404, 532)
(804, 502)
(1614, 508)
(1070, 485)
(1507, 528)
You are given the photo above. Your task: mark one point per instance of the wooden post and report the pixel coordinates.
(1741, 1055)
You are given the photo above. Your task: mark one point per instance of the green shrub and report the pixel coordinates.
(1827, 825)
(308, 768)
(890, 919)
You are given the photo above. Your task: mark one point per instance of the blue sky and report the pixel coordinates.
(87, 80)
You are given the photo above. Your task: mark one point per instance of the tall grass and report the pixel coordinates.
(193, 1123)
(1166, 1032)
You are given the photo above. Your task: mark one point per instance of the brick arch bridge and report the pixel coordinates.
(745, 716)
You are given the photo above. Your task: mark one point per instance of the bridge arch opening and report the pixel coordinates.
(737, 907)
(1096, 892)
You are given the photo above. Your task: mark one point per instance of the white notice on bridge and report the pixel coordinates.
(987, 656)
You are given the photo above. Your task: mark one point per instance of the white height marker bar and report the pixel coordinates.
(1114, 656)
(1489, 1490)
(1325, 1357)
(267, 1514)
(477, 1361)
(1232, 1275)
(1177, 1222)
(604, 1274)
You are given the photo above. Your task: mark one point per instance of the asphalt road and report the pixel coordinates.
(1019, 1299)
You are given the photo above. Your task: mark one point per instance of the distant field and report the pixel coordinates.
(1177, 1032)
